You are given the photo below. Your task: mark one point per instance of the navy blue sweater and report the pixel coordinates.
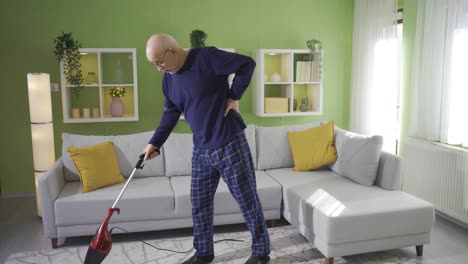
(200, 90)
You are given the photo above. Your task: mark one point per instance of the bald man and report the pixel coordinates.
(195, 83)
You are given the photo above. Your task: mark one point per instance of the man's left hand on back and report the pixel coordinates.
(231, 105)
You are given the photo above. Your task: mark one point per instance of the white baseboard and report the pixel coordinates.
(452, 219)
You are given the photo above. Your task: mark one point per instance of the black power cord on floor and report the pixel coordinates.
(175, 251)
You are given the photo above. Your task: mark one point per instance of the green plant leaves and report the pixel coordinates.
(67, 49)
(198, 38)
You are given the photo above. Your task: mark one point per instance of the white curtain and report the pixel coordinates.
(375, 74)
(439, 98)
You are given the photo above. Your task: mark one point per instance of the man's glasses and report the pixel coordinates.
(161, 61)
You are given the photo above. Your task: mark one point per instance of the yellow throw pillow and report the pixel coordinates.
(97, 165)
(313, 148)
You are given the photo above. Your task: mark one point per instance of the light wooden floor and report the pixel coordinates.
(21, 230)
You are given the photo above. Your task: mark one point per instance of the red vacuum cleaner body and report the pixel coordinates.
(101, 244)
(103, 241)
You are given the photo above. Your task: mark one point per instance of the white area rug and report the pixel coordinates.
(288, 247)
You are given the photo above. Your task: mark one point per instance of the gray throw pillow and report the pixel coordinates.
(358, 156)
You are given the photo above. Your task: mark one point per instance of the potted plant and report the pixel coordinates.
(198, 38)
(67, 49)
(314, 45)
(117, 91)
(117, 106)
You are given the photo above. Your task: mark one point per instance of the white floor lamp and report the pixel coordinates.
(42, 130)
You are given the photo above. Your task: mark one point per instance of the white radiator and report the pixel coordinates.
(439, 175)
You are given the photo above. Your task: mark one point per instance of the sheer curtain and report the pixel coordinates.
(375, 75)
(439, 100)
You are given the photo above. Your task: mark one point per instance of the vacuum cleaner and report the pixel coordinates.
(101, 244)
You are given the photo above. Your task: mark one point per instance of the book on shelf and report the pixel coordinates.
(307, 71)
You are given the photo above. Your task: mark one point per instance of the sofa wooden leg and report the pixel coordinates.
(54, 242)
(274, 222)
(328, 260)
(419, 250)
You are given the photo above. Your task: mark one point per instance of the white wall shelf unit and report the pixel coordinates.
(102, 69)
(283, 76)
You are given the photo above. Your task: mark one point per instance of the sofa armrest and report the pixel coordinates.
(50, 186)
(389, 172)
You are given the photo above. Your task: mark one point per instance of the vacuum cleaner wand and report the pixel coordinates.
(101, 244)
(139, 165)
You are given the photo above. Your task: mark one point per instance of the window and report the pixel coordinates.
(457, 90)
(440, 82)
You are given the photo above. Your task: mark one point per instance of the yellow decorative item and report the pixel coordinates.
(276, 105)
(117, 91)
(313, 148)
(97, 165)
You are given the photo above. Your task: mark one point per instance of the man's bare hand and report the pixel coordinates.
(150, 152)
(231, 105)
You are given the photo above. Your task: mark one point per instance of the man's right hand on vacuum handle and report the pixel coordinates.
(151, 150)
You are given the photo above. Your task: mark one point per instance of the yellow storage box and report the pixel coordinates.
(276, 105)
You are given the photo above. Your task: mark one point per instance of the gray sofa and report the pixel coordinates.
(337, 214)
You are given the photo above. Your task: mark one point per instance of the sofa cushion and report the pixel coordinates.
(358, 156)
(130, 147)
(287, 179)
(273, 149)
(154, 194)
(178, 150)
(127, 148)
(250, 135)
(313, 148)
(337, 210)
(97, 165)
(268, 190)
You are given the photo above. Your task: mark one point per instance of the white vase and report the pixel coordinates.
(276, 77)
(86, 112)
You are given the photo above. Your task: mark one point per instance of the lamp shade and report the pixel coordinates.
(40, 106)
(42, 129)
(43, 146)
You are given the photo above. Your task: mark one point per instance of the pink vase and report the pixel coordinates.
(116, 107)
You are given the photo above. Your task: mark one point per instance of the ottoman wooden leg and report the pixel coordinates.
(328, 260)
(53, 242)
(419, 250)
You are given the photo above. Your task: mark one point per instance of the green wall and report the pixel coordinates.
(28, 28)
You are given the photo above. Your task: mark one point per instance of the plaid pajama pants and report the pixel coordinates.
(233, 162)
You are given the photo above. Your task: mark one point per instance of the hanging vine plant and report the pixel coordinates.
(198, 38)
(66, 49)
